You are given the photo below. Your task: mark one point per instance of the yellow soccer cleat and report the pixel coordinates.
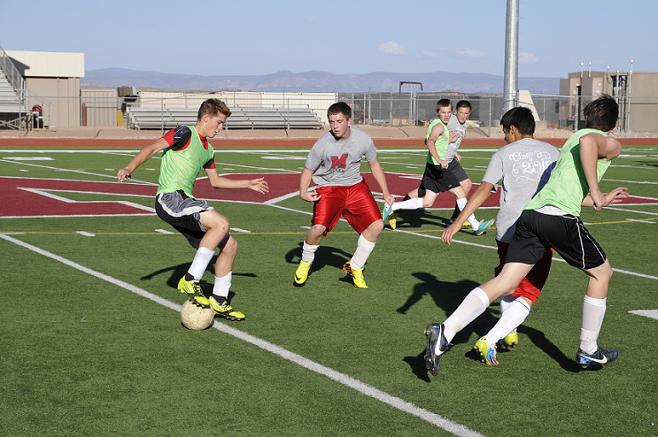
(487, 353)
(301, 274)
(192, 289)
(357, 275)
(222, 308)
(508, 342)
(466, 225)
(393, 221)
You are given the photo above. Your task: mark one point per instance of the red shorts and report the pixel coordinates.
(530, 286)
(355, 203)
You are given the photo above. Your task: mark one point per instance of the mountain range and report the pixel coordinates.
(316, 81)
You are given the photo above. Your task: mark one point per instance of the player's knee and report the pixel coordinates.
(231, 246)
(317, 230)
(427, 203)
(377, 227)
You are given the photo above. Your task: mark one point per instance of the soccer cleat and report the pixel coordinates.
(435, 337)
(508, 342)
(301, 274)
(393, 221)
(597, 359)
(388, 210)
(466, 225)
(484, 227)
(192, 289)
(222, 308)
(487, 353)
(357, 275)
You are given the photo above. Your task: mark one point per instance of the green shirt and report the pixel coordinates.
(180, 167)
(567, 186)
(441, 142)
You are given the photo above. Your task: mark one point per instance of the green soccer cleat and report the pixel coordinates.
(357, 275)
(508, 342)
(484, 227)
(487, 353)
(222, 308)
(388, 210)
(301, 274)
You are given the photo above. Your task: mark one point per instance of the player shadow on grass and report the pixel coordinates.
(448, 296)
(416, 218)
(324, 256)
(178, 271)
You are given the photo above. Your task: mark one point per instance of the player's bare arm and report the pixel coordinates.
(592, 148)
(380, 177)
(437, 131)
(216, 181)
(474, 202)
(304, 183)
(615, 196)
(144, 155)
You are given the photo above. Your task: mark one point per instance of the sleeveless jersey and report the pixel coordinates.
(441, 142)
(567, 186)
(180, 167)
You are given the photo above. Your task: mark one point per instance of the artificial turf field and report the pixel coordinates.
(92, 342)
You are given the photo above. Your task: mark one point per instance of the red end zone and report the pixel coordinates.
(36, 197)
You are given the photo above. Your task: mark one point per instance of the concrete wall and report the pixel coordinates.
(59, 98)
(99, 107)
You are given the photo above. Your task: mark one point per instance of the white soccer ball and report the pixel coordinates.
(195, 317)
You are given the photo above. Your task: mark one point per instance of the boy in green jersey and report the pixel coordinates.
(551, 219)
(186, 151)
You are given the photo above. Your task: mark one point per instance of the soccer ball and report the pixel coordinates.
(195, 317)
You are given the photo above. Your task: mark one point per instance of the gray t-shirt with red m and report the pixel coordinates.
(338, 162)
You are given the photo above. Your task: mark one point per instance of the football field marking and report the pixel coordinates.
(652, 314)
(342, 378)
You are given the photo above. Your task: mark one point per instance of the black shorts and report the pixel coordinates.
(438, 180)
(183, 213)
(536, 233)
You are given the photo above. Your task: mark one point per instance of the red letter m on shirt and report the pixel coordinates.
(339, 161)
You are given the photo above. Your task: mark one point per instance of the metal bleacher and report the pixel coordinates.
(13, 95)
(241, 118)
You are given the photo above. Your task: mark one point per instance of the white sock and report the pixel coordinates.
(362, 252)
(474, 304)
(505, 302)
(222, 285)
(413, 203)
(512, 317)
(461, 204)
(308, 252)
(200, 262)
(593, 313)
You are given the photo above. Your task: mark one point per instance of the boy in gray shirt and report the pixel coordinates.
(524, 166)
(333, 164)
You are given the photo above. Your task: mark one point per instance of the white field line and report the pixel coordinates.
(66, 170)
(468, 243)
(634, 166)
(341, 378)
(164, 232)
(240, 230)
(652, 314)
(85, 233)
(624, 181)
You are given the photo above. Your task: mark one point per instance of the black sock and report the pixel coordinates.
(406, 198)
(189, 277)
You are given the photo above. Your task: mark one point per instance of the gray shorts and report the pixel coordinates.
(183, 213)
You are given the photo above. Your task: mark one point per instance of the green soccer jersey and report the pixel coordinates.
(567, 186)
(180, 166)
(441, 142)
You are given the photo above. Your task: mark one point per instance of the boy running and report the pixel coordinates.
(552, 220)
(442, 172)
(524, 166)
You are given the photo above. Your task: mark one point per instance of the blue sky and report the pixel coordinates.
(260, 37)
